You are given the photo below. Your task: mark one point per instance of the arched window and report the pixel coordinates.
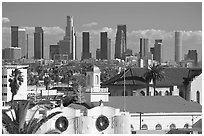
(172, 126)
(198, 96)
(167, 92)
(142, 93)
(97, 79)
(160, 93)
(158, 127)
(144, 127)
(89, 80)
(186, 125)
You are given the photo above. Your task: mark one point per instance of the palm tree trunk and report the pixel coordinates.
(154, 84)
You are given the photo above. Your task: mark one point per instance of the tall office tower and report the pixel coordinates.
(85, 46)
(98, 54)
(22, 42)
(38, 43)
(109, 49)
(120, 43)
(178, 46)
(54, 49)
(192, 54)
(14, 36)
(158, 50)
(68, 44)
(104, 45)
(144, 47)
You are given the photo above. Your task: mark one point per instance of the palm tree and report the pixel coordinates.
(154, 73)
(15, 80)
(18, 125)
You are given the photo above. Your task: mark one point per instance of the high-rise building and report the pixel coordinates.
(11, 53)
(192, 55)
(98, 54)
(85, 46)
(14, 36)
(158, 50)
(54, 49)
(109, 49)
(22, 42)
(38, 43)
(104, 45)
(67, 46)
(178, 47)
(144, 47)
(120, 43)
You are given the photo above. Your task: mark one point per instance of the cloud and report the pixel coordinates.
(90, 24)
(5, 20)
(53, 30)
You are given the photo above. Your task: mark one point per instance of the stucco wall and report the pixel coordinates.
(196, 85)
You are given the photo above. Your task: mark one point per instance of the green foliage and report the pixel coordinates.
(17, 124)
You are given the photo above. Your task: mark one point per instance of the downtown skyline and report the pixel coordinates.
(157, 21)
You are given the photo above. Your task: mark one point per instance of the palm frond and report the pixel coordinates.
(43, 120)
(9, 125)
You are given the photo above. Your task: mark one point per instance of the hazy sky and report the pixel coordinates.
(150, 20)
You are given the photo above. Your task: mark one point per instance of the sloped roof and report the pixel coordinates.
(153, 104)
(173, 76)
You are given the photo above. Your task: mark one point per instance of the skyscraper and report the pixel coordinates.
(98, 54)
(22, 42)
(109, 49)
(67, 46)
(85, 46)
(54, 49)
(158, 50)
(178, 46)
(192, 55)
(14, 36)
(104, 45)
(144, 47)
(120, 43)
(38, 43)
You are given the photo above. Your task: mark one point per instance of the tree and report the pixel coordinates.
(154, 73)
(18, 125)
(16, 79)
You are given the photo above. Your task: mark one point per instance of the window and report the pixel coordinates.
(4, 76)
(142, 93)
(4, 94)
(172, 126)
(97, 79)
(186, 125)
(89, 80)
(158, 127)
(144, 127)
(156, 93)
(4, 85)
(167, 92)
(198, 97)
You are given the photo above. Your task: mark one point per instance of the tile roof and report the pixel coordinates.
(173, 76)
(153, 104)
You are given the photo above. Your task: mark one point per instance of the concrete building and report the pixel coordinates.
(144, 47)
(6, 90)
(178, 47)
(14, 36)
(158, 50)
(109, 49)
(98, 54)
(121, 41)
(85, 46)
(104, 45)
(67, 46)
(38, 43)
(54, 49)
(11, 53)
(22, 42)
(192, 55)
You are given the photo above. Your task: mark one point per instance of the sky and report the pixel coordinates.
(153, 20)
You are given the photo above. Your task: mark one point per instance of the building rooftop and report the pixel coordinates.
(173, 76)
(152, 104)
